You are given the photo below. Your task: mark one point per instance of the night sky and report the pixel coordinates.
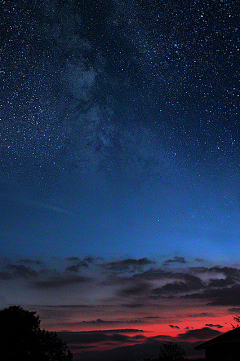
(119, 170)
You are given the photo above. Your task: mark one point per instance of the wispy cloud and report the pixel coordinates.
(128, 264)
(173, 326)
(137, 289)
(21, 271)
(77, 263)
(204, 333)
(188, 283)
(175, 259)
(60, 281)
(226, 296)
(211, 325)
(30, 261)
(49, 207)
(93, 337)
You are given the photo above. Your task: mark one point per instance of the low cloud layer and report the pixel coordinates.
(174, 260)
(204, 333)
(130, 342)
(128, 264)
(117, 303)
(131, 278)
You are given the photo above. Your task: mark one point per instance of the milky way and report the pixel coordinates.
(119, 169)
(81, 80)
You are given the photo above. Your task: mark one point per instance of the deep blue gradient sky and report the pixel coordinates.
(120, 128)
(119, 133)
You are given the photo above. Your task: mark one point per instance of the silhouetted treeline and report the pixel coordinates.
(169, 351)
(21, 338)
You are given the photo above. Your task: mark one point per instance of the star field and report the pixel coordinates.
(120, 148)
(171, 67)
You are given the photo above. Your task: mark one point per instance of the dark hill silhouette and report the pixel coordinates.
(21, 338)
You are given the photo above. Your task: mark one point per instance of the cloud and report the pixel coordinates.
(21, 271)
(154, 274)
(228, 272)
(227, 296)
(133, 305)
(43, 278)
(47, 207)
(68, 306)
(172, 326)
(75, 268)
(137, 289)
(93, 337)
(127, 264)
(5, 276)
(234, 310)
(175, 259)
(99, 321)
(199, 334)
(211, 325)
(148, 348)
(201, 314)
(91, 259)
(221, 282)
(60, 281)
(78, 263)
(189, 283)
(30, 261)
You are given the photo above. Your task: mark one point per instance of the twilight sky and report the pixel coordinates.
(119, 170)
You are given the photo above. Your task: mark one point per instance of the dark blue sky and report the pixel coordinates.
(119, 133)
(120, 127)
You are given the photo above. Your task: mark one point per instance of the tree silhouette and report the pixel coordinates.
(237, 319)
(170, 351)
(21, 338)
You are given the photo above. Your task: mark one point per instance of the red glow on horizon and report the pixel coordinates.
(159, 331)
